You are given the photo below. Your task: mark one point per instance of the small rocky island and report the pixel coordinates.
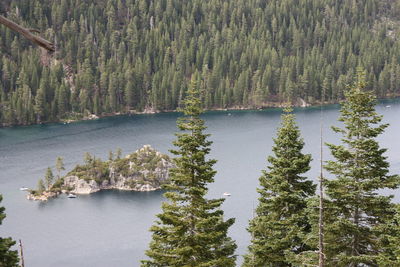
(144, 170)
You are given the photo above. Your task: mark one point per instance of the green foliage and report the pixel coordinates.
(390, 241)
(60, 165)
(93, 169)
(8, 257)
(110, 155)
(58, 185)
(87, 157)
(142, 166)
(281, 225)
(191, 230)
(117, 56)
(49, 177)
(40, 187)
(118, 153)
(356, 213)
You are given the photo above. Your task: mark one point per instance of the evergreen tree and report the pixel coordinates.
(88, 158)
(62, 101)
(118, 153)
(8, 257)
(110, 155)
(49, 177)
(41, 187)
(280, 225)
(356, 212)
(59, 165)
(40, 101)
(191, 230)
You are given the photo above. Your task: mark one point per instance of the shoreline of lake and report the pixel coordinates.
(269, 105)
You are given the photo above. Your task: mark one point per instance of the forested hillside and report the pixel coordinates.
(124, 55)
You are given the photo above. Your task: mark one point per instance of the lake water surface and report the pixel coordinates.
(110, 228)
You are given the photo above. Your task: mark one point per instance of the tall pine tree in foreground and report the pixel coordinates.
(8, 257)
(191, 230)
(356, 211)
(280, 224)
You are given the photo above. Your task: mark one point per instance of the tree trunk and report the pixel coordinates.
(22, 254)
(27, 33)
(321, 258)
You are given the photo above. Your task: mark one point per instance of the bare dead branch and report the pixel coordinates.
(27, 33)
(34, 30)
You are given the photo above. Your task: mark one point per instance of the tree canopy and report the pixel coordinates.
(116, 56)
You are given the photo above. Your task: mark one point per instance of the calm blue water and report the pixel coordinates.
(111, 228)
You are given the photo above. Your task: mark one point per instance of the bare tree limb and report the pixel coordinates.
(22, 254)
(27, 33)
(34, 30)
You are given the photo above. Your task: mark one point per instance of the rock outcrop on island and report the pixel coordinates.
(46, 195)
(144, 170)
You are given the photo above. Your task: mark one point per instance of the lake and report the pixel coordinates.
(110, 228)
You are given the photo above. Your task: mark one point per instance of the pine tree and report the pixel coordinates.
(118, 153)
(59, 165)
(62, 100)
(41, 187)
(191, 230)
(88, 158)
(40, 101)
(8, 257)
(49, 177)
(280, 225)
(356, 212)
(110, 155)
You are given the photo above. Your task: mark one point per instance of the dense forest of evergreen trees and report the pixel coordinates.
(124, 55)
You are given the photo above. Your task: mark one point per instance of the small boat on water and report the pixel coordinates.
(227, 194)
(71, 195)
(388, 106)
(24, 188)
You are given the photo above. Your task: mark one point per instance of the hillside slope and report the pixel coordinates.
(125, 55)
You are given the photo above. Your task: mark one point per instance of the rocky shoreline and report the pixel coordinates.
(299, 102)
(144, 170)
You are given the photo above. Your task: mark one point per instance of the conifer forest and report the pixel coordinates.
(121, 56)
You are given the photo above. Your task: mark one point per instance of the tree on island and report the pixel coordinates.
(280, 226)
(191, 230)
(59, 166)
(41, 187)
(118, 153)
(88, 159)
(49, 178)
(357, 215)
(110, 155)
(8, 257)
